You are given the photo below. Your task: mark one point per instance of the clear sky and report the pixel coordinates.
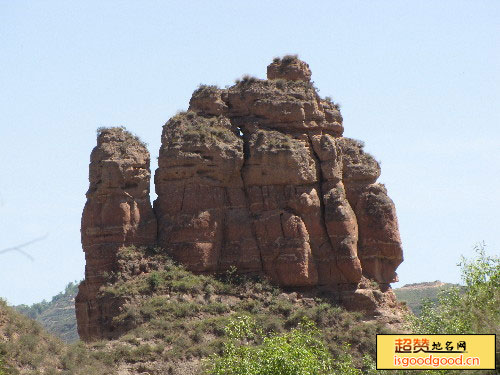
(418, 82)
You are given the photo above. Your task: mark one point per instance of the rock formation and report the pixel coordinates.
(117, 213)
(256, 176)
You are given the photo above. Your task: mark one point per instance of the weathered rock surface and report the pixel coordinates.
(117, 213)
(272, 186)
(379, 247)
(256, 176)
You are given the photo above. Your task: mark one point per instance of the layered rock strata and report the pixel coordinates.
(379, 245)
(256, 176)
(117, 213)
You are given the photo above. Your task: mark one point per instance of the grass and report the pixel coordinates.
(4, 369)
(274, 140)
(23, 342)
(414, 297)
(246, 80)
(191, 126)
(131, 136)
(205, 90)
(210, 88)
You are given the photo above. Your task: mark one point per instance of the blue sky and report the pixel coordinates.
(418, 82)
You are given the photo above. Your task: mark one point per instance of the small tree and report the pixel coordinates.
(300, 351)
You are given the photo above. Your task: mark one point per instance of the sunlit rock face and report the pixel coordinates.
(117, 213)
(256, 176)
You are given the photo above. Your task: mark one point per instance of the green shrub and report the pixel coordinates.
(246, 80)
(154, 280)
(287, 59)
(471, 309)
(282, 306)
(3, 367)
(301, 351)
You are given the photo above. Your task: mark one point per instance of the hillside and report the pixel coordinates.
(25, 346)
(415, 294)
(58, 315)
(172, 319)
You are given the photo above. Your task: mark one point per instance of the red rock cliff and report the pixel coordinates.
(117, 213)
(257, 176)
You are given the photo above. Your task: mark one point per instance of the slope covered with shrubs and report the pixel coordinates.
(175, 320)
(57, 316)
(180, 323)
(181, 317)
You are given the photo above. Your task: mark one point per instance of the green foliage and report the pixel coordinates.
(133, 137)
(24, 343)
(300, 351)
(474, 308)
(37, 309)
(3, 367)
(169, 276)
(154, 280)
(190, 126)
(471, 309)
(189, 312)
(58, 315)
(417, 295)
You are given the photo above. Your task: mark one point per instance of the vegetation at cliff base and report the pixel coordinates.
(183, 315)
(300, 351)
(474, 308)
(176, 322)
(25, 345)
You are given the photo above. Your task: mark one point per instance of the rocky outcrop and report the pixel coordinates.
(256, 176)
(117, 213)
(201, 207)
(263, 180)
(379, 247)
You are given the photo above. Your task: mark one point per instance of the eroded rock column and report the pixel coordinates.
(201, 206)
(341, 265)
(379, 247)
(117, 213)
